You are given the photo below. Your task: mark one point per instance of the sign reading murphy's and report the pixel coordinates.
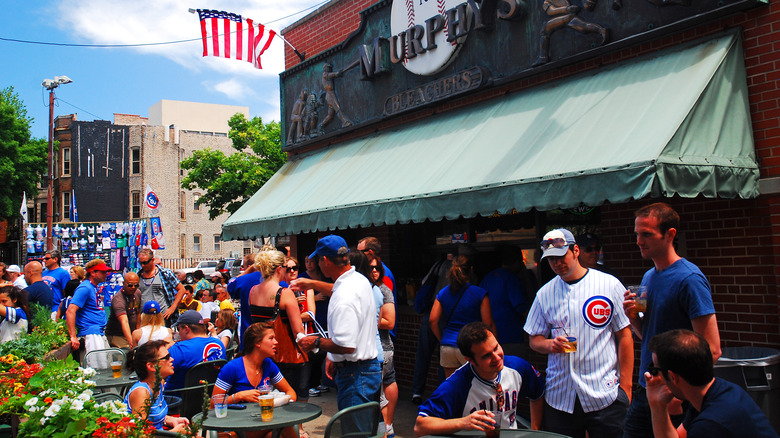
(408, 54)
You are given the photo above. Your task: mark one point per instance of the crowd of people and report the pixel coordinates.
(296, 331)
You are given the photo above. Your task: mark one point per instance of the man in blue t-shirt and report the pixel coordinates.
(55, 276)
(490, 384)
(37, 291)
(682, 368)
(678, 297)
(195, 347)
(85, 316)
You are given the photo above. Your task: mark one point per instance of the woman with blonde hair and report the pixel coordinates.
(270, 302)
(151, 326)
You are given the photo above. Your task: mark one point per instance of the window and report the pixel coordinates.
(183, 246)
(247, 247)
(183, 205)
(195, 197)
(196, 242)
(135, 205)
(217, 243)
(43, 211)
(135, 161)
(65, 205)
(65, 161)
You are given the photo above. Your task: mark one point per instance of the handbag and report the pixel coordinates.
(285, 336)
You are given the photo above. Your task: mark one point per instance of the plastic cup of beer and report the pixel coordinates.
(266, 407)
(220, 405)
(640, 301)
(116, 369)
(570, 346)
(495, 432)
(264, 389)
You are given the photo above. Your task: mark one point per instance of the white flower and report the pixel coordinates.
(31, 402)
(86, 395)
(77, 404)
(90, 383)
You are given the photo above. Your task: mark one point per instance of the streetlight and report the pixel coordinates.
(51, 84)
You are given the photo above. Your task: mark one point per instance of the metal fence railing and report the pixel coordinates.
(175, 264)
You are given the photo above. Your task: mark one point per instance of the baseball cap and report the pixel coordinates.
(151, 307)
(556, 242)
(190, 317)
(588, 239)
(99, 267)
(14, 268)
(329, 246)
(216, 275)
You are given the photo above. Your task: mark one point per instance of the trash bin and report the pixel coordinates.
(174, 405)
(757, 371)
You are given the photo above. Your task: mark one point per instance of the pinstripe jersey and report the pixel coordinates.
(592, 310)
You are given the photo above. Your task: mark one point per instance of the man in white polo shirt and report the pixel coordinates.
(352, 324)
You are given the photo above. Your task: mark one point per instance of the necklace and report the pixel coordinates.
(151, 280)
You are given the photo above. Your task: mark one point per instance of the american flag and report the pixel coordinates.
(229, 35)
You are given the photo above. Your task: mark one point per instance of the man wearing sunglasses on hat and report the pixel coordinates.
(682, 368)
(159, 284)
(490, 383)
(588, 388)
(124, 313)
(54, 275)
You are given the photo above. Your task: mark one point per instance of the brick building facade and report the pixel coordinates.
(139, 155)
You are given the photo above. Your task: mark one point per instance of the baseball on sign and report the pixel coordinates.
(408, 17)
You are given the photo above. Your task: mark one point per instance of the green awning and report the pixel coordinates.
(674, 122)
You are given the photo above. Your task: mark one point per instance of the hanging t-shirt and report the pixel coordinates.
(38, 246)
(91, 229)
(65, 244)
(106, 244)
(31, 245)
(82, 244)
(91, 247)
(82, 230)
(55, 231)
(29, 231)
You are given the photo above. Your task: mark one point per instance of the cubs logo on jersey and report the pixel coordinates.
(598, 311)
(212, 351)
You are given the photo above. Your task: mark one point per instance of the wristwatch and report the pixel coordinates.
(317, 342)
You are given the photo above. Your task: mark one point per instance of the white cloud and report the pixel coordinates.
(233, 88)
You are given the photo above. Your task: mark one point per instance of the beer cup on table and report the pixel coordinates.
(495, 432)
(116, 369)
(266, 407)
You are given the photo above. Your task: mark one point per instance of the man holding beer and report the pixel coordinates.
(577, 320)
(484, 394)
(679, 297)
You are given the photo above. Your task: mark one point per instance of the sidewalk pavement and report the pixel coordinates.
(403, 423)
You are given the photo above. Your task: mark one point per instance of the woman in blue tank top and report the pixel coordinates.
(144, 361)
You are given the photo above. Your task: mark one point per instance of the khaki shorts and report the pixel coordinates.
(450, 357)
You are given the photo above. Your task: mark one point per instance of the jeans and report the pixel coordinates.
(426, 345)
(357, 383)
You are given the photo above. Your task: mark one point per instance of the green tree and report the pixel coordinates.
(230, 180)
(22, 158)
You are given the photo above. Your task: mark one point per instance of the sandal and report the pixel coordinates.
(304, 434)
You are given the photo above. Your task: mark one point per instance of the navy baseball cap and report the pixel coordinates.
(556, 242)
(190, 317)
(329, 246)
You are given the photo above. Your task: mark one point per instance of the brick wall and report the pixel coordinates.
(323, 29)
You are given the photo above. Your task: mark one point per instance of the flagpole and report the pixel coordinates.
(301, 56)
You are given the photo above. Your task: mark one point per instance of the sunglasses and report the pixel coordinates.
(553, 243)
(291, 268)
(47, 258)
(591, 249)
(131, 284)
(146, 262)
(375, 268)
(654, 370)
(166, 357)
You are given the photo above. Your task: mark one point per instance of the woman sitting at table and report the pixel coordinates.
(144, 360)
(241, 377)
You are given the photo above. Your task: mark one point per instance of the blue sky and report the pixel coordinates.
(130, 80)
